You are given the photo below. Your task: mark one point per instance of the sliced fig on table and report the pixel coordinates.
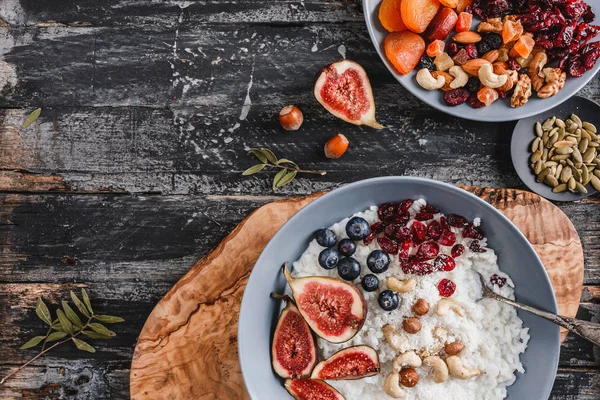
(311, 389)
(335, 310)
(351, 363)
(293, 351)
(343, 88)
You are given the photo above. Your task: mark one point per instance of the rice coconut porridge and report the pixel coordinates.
(433, 338)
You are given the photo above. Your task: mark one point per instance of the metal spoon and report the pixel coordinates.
(585, 329)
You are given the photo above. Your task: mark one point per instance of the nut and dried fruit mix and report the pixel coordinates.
(518, 49)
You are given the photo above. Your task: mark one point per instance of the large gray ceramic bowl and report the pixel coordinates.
(499, 110)
(259, 312)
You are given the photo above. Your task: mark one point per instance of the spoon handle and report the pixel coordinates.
(586, 329)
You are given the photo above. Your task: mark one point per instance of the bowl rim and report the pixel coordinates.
(242, 351)
(473, 115)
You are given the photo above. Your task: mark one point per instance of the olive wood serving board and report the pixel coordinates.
(188, 347)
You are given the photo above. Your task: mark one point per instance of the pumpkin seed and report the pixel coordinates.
(571, 128)
(561, 134)
(551, 163)
(566, 174)
(542, 175)
(552, 139)
(535, 145)
(563, 143)
(571, 139)
(551, 180)
(571, 184)
(576, 174)
(538, 129)
(589, 127)
(593, 135)
(585, 134)
(548, 123)
(580, 188)
(595, 182)
(559, 122)
(589, 155)
(545, 154)
(559, 157)
(577, 133)
(575, 119)
(578, 165)
(564, 150)
(583, 145)
(597, 172)
(561, 188)
(559, 169)
(577, 155)
(535, 157)
(593, 144)
(538, 167)
(585, 176)
(596, 161)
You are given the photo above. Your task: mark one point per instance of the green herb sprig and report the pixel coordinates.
(31, 118)
(288, 168)
(67, 326)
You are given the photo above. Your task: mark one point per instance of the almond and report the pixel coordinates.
(453, 348)
(471, 67)
(467, 37)
(491, 56)
(447, 77)
(500, 68)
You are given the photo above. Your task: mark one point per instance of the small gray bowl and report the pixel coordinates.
(258, 315)
(524, 134)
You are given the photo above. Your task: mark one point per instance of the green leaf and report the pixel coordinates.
(32, 117)
(287, 178)
(42, 311)
(258, 154)
(270, 155)
(79, 304)
(65, 324)
(56, 336)
(108, 319)
(277, 178)
(81, 345)
(254, 169)
(101, 329)
(72, 315)
(32, 342)
(286, 161)
(95, 335)
(86, 300)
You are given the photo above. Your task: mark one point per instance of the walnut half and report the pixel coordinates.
(555, 80)
(522, 91)
(491, 25)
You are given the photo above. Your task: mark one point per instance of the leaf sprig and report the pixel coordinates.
(67, 326)
(288, 168)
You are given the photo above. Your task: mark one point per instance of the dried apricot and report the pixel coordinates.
(449, 3)
(435, 48)
(404, 49)
(462, 5)
(511, 30)
(390, 17)
(441, 25)
(417, 14)
(464, 22)
(523, 46)
(487, 95)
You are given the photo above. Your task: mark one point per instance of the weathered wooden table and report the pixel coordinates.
(132, 172)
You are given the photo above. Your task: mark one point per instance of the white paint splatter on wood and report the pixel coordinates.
(342, 51)
(8, 76)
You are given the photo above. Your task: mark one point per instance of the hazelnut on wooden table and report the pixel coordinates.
(412, 325)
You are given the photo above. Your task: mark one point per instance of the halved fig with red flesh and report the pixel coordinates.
(335, 310)
(343, 88)
(293, 350)
(351, 363)
(311, 389)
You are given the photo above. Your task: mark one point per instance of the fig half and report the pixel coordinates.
(351, 363)
(343, 88)
(311, 389)
(335, 310)
(293, 350)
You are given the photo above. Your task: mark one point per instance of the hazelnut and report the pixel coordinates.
(421, 307)
(412, 325)
(454, 348)
(291, 118)
(409, 377)
(336, 146)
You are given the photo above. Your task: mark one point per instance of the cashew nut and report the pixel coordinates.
(396, 341)
(440, 333)
(460, 77)
(401, 286)
(439, 367)
(392, 386)
(427, 81)
(489, 79)
(444, 305)
(408, 358)
(457, 370)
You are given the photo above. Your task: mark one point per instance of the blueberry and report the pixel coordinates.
(388, 300)
(357, 228)
(329, 258)
(378, 261)
(325, 237)
(426, 62)
(370, 282)
(494, 40)
(483, 47)
(348, 269)
(346, 247)
(473, 85)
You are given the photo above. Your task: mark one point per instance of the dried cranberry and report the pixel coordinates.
(377, 227)
(502, 94)
(575, 9)
(475, 247)
(457, 250)
(427, 62)
(396, 232)
(430, 209)
(471, 51)
(498, 280)
(456, 97)
(473, 85)
(386, 212)
(369, 238)
(473, 232)
(444, 224)
(457, 221)
(461, 58)
(589, 15)
(474, 101)
(417, 267)
(447, 239)
(388, 245)
(434, 230)
(418, 230)
(405, 247)
(402, 217)
(590, 59)
(428, 250)
(514, 65)
(423, 216)
(452, 49)
(446, 288)
(405, 205)
(444, 262)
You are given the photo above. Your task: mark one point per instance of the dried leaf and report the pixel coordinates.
(101, 329)
(81, 345)
(108, 319)
(42, 311)
(65, 324)
(56, 336)
(270, 155)
(72, 315)
(277, 178)
(95, 335)
(31, 118)
(259, 154)
(254, 169)
(32, 342)
(86, 300)
(79, 304)
(287, 178)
